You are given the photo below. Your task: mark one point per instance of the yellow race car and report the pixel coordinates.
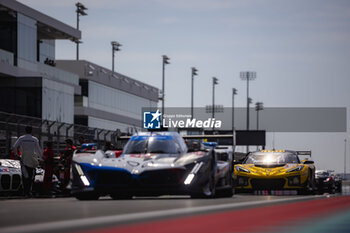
(275, 170)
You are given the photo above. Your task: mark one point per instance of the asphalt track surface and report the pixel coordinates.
(138, 215)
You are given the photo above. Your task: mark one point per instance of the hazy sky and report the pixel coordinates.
(299, 49)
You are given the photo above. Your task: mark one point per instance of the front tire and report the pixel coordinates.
(331, 189)
(303, 191)
(208, 191)
(310, 186)
(339, 188)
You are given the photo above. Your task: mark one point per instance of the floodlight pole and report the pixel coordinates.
(115, 47)
(77, 56)
(80, 11)
(234, 92)
(213, 102)
(113, 57)
(248, 102)
(215, 82)
(165, 62)
(258, 107)
(257, 120)
(247, 75)
(345, 158)
(193, 73)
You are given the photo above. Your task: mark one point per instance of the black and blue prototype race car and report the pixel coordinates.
(152, 164)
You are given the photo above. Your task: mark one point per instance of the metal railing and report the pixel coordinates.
(12, 126)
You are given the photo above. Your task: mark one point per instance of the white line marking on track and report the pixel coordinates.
(115, 219)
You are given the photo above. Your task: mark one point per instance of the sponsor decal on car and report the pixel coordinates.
(4, 170)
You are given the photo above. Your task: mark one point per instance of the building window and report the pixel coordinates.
(27, 38)
(116, 101)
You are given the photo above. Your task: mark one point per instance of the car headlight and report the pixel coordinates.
(193, 172)
(242, 169)
(295, 169)
(82, 176)
(328, 179)
(294, 180)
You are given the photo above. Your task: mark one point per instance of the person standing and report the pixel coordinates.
(66, 160)
(31, 153)
(48, 167)
(108, 146)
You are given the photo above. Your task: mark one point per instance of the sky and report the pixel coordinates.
(299, 50)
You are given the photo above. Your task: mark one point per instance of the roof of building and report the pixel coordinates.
(48, 27)
(93, 72)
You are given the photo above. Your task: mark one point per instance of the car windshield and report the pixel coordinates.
(271, 158)
(322, 173)
(146, 144)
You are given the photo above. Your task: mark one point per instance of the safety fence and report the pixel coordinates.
(12, 126)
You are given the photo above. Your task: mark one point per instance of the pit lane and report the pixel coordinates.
(69, 214)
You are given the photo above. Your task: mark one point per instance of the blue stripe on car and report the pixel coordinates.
(87, 167)
(157, 137)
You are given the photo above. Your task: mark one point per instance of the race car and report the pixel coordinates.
(273, 170)
(325, 182)
(10, 177)
(152, 164)
(338, 183)
(224, 153)
(89, 146)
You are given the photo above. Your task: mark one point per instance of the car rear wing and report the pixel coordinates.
(306, 153)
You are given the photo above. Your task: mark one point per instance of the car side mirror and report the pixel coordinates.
(308, 162)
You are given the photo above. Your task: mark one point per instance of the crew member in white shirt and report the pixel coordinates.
(31, 154)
